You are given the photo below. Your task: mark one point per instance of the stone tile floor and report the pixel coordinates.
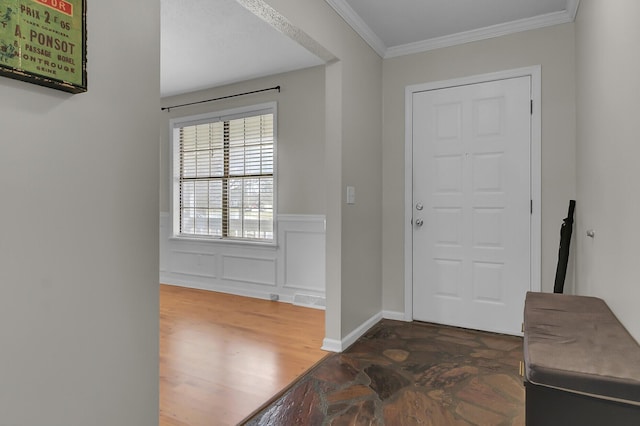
(409, 374)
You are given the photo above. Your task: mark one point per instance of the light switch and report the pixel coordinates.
(351, 195)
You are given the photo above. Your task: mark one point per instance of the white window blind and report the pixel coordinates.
(226, 178)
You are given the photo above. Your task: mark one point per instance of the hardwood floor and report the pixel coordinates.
(223, 356)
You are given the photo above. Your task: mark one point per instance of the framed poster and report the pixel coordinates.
(45, 42)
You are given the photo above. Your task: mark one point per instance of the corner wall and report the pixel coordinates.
(608, 66)
(553, 49)
(79, 245)
(353, 157)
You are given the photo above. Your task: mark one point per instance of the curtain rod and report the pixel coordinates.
(222, 97)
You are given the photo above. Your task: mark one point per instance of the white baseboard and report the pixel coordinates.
(333, 345)
(396, 316)
(237, 291)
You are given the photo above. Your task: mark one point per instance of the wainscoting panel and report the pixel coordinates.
(304, 248)
(252, 270)
(194, 263)
(292, 271)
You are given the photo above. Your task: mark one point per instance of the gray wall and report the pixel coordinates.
(79, 246)
(553, 49)
(300, 145)
(353, 156)
(608, 66)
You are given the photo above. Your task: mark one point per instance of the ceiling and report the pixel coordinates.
(209, 43)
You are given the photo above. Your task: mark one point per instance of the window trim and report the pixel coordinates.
(174, 154)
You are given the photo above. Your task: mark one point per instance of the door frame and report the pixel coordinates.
(536, 169)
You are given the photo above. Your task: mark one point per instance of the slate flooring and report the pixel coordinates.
(415, 373)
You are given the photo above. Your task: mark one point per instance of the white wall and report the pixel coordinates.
(79, 245)
(553, 49)
(608, 66)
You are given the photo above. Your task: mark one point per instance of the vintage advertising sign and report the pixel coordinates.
(44, 42)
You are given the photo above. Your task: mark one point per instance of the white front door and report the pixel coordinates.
(471, 204)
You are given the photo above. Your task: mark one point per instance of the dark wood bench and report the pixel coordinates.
(581, 366)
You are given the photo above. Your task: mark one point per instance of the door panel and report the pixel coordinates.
(471, 176)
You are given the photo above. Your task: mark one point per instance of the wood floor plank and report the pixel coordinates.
(222, 356)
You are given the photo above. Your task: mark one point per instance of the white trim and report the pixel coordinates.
(393, 315)
(297, 287)
(237, 291)
(174, 158)
(535, 72)
(224, 241)
(301, 218)
(408, 204)
(333, 345)
(493, 31)
(354, 20)
(536, 179)
(310, 301)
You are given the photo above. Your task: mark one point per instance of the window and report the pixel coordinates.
(224, 185)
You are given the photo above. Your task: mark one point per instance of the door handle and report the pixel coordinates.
(419, 222)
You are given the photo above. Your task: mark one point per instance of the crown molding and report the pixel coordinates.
(359, 26)
(498, 30)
